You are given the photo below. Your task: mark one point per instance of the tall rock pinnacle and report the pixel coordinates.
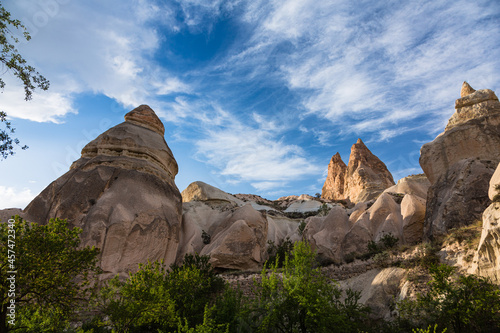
(362, 179)
(333, 189)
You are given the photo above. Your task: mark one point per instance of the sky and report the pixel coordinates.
(256, 96)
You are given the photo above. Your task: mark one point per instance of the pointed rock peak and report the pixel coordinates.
(144, 116)
(466, 89)
(337, 158)
(360, 142)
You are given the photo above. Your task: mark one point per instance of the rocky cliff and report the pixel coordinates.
(122, 193)
(460, 162)
(364, 177)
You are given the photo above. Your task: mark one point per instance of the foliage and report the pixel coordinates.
(324, 210)
(209, 325)
(155, 298)
(302, 299)
(279, 253)
(6, 141)
(13, 62)
(302, 227)
(428, 330)
(53, 274)
(464, 303)
(387, 242)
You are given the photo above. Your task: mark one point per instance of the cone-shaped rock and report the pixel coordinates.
(122, 193)
(333, 189)
(466, 89)
(367, 176)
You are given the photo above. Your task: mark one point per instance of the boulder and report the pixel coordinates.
(413, 213)
(325, 234)
(378, 288)
(239, 241)
(200, 191)
(458, 197)
(122, 193)
(416, 185)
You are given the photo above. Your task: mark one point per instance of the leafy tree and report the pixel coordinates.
(14, 63)
(52, 274)
(302, 299)
(461, 303)
(157, 298)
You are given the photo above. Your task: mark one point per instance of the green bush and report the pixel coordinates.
(462, 303)
(302, 299)
(278, 253)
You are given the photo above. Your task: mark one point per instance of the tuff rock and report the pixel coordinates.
(122, 193)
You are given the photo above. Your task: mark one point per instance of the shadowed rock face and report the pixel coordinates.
(460, 162)
(122, 193)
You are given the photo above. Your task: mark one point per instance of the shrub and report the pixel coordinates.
(302, 299)
(279, 253)
(464, 303)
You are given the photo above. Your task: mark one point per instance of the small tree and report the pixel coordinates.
(302, 299)
(51, 275)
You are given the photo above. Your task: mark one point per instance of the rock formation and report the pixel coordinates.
(333, 189)
(230, 229)
(364, 178)
(487, 258)
(460, 162)
(122, 193)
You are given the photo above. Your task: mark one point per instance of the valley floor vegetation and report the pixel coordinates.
(56, 290)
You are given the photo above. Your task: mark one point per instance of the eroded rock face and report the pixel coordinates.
(325, 234)
(122, 193)
(459, 197)
(460, 161)
(333, 189)
(363, 179)
(240, 240)
(473, 131)
(416, 185)
(367, 176)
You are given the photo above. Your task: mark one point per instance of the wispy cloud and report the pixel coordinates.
(11, 197)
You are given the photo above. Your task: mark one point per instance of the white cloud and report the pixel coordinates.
(253, 154)
(11, 197)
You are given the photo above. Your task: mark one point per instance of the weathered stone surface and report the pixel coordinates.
(458, 197)
(281, 228)
(333, 189)
(466, 89)
(417, 185)
(379, 288)
(367, 176)
(122, 193)
(381, 218)
(144, 116)
(325, 234)
(200, 191)
(413, 213)
(8, 213)
(363, 179)
(199, 216)
(494, 188)
(487, 258)
(240, 241)
(473, 131)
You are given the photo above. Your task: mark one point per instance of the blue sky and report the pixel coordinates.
(256, 96)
